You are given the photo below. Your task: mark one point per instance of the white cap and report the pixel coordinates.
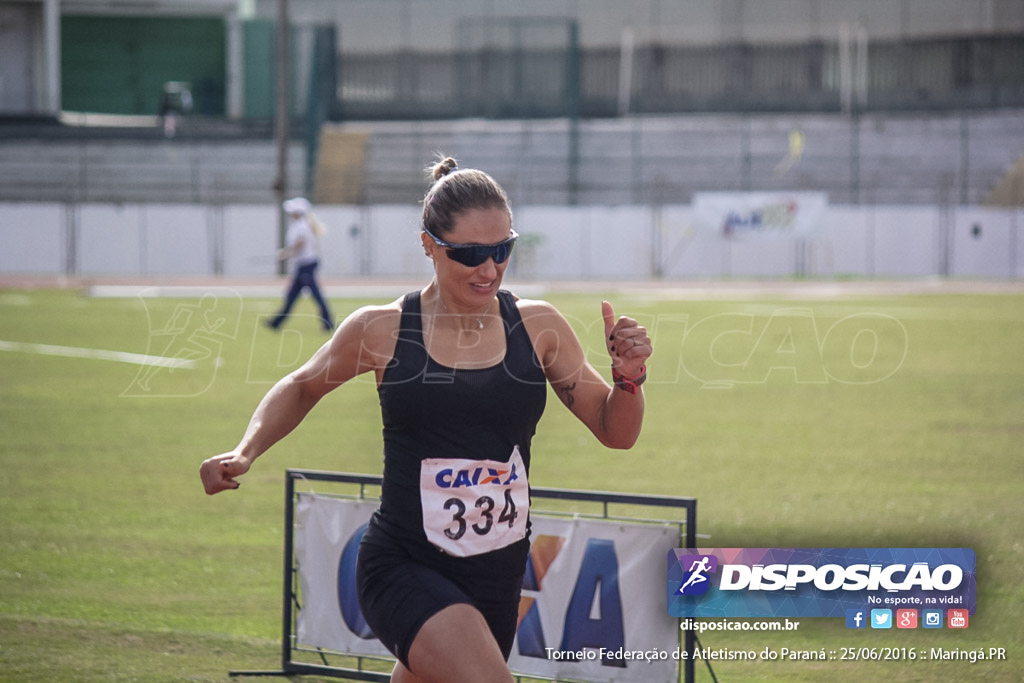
(297, 205)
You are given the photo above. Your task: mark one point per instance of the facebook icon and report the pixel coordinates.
(855, 618)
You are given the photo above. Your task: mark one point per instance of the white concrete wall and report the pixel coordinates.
(559, 243)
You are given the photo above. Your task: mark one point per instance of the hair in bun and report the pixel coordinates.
(443, 168)
(456, 190)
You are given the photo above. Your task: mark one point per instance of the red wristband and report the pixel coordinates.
(630, 384)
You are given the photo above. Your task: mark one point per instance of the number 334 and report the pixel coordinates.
(484, 513)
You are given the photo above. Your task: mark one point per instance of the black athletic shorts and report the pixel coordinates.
(397, 594)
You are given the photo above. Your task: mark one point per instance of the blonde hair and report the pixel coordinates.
(319, 229)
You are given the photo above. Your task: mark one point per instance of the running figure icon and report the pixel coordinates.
(697, 573)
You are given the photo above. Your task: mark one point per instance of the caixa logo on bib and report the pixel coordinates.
(477, 476)
(816, 582)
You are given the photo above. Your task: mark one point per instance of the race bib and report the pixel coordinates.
(474, 506)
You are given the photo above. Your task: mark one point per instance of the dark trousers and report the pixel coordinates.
(304, 278)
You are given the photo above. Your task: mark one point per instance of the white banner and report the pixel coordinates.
(759, 214)
(591, 589)
(592, 609)
(327, 535)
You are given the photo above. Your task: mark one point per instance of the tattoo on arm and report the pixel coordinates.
(567, 396)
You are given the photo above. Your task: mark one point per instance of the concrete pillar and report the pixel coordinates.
(51, 100)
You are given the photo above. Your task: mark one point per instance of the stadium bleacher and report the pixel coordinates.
(934, 158)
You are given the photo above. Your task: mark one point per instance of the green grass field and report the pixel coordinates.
(888, 421)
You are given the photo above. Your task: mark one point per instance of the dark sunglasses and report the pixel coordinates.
(472, 255)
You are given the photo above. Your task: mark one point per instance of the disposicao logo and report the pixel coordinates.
(817, 582)
(696, 580)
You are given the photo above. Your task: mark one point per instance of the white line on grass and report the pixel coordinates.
(97, 354)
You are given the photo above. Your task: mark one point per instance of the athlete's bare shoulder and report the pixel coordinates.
(540, 316)
(536, 308)
(369, 333)
(549, 330)
(377, 314)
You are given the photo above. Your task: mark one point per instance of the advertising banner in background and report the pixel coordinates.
(759, 214)
(327, 535)
(592, 607)
(588, 591)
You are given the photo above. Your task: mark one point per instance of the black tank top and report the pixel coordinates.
(433, 411)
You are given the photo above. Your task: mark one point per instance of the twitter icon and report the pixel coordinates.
(881, 618)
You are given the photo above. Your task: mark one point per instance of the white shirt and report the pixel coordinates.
(300, 231)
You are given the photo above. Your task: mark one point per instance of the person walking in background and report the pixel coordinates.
(462, 368)
(302, 248)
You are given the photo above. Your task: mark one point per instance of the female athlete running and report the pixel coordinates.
(462, 368)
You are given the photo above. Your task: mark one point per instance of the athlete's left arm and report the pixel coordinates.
(614, 414)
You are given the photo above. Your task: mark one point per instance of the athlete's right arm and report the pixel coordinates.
(363, 342)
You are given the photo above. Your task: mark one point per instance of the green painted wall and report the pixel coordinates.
(118, 65)
(259, 50)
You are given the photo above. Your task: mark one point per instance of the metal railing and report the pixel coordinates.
(291, 654)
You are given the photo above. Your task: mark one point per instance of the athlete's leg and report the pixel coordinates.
(454, 646)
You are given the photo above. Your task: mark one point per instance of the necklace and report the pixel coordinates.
(477, 318)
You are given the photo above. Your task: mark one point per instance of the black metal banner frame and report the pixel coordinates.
(291, 667)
